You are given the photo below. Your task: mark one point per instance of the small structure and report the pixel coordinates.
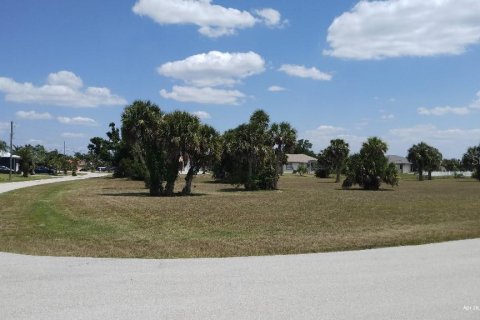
(5, 161)
(295, 160)
(402, 163)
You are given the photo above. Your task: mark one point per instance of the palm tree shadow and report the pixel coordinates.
(366, 190)
(147, 195)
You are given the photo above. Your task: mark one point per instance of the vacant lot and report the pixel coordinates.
(115, 218)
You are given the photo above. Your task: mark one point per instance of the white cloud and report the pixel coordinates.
(72, 135)
(214, 68)
(303, 72)
(33, 115)
(202, 114)
(452, 142)
(213, 20)
(461, 111)
(476, 103)
(276, 89)
(82, 121)
(63, 88)
(203, 95)
(321, 136)
(388, 116)
(270, 17)
(395, 28)
(440, 111)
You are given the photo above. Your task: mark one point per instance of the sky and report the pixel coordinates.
(404, 70)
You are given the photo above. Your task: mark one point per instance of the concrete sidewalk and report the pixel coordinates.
(9, 186)
(436, 281)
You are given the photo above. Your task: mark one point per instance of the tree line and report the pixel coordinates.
(152, 145)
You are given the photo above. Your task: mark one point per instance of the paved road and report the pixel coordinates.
(9, 186)
(437, 281)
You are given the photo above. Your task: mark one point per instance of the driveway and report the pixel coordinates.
(9, 186)
(436, 281)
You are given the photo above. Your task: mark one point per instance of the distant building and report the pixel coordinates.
(5, 161)
(402, 163)
(295, 160)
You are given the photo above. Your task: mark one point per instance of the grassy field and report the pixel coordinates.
(115, 218)
(4, 177)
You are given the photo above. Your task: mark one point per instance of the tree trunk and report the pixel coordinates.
(337, 179)
(187, 189)
(249, 185)
(429, 175)
(420, 174)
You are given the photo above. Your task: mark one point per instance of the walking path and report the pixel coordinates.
(9, 186)
(435, 281)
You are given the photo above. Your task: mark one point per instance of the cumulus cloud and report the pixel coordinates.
(460, 111)
(440, 111)
(72, 135)
(321, 136)
(271, 17)
(212, 20)
(396, 28)
(214, 68)
(202, 114)
(452, 142)
(33, 115)
(304, 72)
(276, 89)
(430, 132)
(62, 88)
(82, 121)
(205, 95)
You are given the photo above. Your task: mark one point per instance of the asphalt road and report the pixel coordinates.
(9, 186)
(437, 281)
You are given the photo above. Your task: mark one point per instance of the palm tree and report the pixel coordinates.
(181, 130)
(370, 167)
(424, 158)
(26, 153)
(3, 146)
(284, 137)
(337, 154)
(434, 161)
(471, 160)
(142, 130)
(201, 152)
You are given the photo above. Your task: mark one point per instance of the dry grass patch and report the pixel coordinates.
(115, 218)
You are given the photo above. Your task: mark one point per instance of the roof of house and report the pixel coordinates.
(299, 158)
(397, 159)
(7, 155)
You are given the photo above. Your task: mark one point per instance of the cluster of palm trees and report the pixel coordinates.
(424, 158)
(162, 142)
(253, 154)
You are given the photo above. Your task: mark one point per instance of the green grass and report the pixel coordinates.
(4, 177)
(116, 218)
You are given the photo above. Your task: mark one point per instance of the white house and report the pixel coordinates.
(402, 163)
(5, 161)
(295, 160)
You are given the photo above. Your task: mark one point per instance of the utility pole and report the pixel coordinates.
(11, 151)
(64, 148)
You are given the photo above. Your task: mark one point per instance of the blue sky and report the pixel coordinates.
(406, 71)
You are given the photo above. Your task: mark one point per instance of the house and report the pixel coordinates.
(295, 160)
(402, 163)
(5, 161)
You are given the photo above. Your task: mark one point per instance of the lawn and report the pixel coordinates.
(115, 218)
(4, 177)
